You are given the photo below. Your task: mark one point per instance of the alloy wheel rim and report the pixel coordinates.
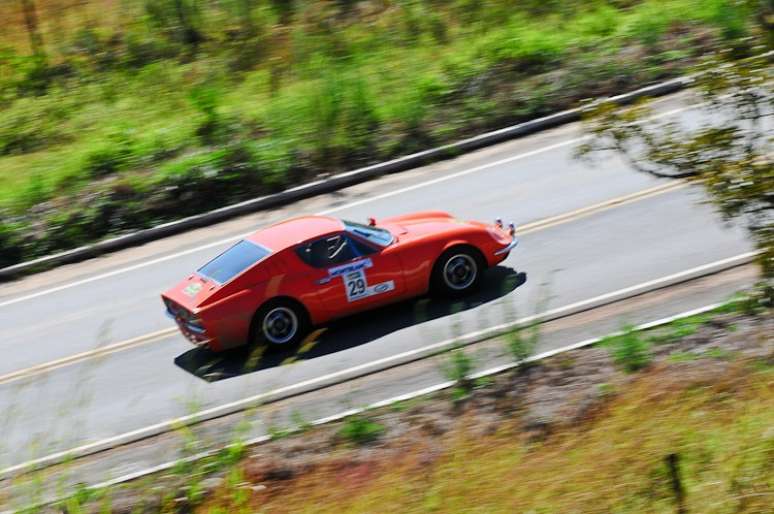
(280, 325)
(460, 271)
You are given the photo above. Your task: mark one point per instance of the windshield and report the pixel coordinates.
(379, 236)
(233, 261)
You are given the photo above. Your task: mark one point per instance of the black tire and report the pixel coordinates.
(279, 324)
(457, 272)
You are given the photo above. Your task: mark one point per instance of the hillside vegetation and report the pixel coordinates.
(616, 463)
(677, 418)
(118, 114)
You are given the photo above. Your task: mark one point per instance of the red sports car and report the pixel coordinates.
(273, 286)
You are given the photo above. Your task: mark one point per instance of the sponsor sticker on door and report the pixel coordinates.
(356, 281)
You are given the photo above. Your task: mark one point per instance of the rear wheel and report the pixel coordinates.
(279, 324)
(457, 271)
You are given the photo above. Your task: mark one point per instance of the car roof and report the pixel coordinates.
(288, 233)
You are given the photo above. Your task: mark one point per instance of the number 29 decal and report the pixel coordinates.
(356, 281)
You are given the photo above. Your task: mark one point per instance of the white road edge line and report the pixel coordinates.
(256, 400)
(327, 211)
(408, 396)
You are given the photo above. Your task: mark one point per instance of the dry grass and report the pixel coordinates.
(60, 18)
(718, 418)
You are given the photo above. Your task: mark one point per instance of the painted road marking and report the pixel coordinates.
(231, 239)
(525, 229)
(90, 354)
(364, 368)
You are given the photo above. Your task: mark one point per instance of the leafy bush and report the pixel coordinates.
(458, 368)
(360, 430)
(731, 16)
(28, 125)
(647, 25)
(522, 46)
(107, 157)
(600, 22)
(522, 341)
(629, 350)
(11, 250)
(223, 100)
(178, 19)
(206, 99)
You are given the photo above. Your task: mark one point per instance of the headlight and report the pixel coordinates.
(499, 236)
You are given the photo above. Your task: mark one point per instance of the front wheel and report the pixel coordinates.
(279, 324)
(457, 272)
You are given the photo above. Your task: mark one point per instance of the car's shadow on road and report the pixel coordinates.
(348, 332)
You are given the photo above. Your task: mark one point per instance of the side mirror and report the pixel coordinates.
(371, 222)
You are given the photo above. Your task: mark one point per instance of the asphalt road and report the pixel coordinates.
(97, 303)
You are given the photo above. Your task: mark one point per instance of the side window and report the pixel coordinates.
(360, 248)
(332, 250)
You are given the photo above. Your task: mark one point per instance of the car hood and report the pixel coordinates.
(420, 224)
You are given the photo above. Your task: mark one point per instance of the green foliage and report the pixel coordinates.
(758, 299)
(522, 46)
(300, 422)
(178, 19)
(31, 124)
(360, 430)
(679, 329)
(187, 105)
(682, 356)
(730, 153)
(11, 249)
(457, 368)
(522, 341)
(629, 350)
(109, 156)
(731, 16)
(277, 433)
(206, 99)
(601, 22)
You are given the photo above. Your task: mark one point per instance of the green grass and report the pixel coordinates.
(359, 430)
(630, 350)
(157, 129)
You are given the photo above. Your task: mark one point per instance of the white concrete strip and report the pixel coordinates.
(410, 395)
(389, 194)
(368, 367)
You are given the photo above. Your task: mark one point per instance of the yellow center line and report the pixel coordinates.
(602, 206)
(310, 341)
(90, 354)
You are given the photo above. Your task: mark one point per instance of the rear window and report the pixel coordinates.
(233, 261)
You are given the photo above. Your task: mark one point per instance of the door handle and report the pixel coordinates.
(323, 280)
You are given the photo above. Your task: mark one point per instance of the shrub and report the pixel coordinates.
(360, 430)
(601, 22)
(272, 160)
(522, 341)
(523, 47)
(28, 124)
(206, 99)
(179, 19)
(647, 24)
(111, 154)
(730, 17)
(629, 350)
(458, 368)
(11, 250)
